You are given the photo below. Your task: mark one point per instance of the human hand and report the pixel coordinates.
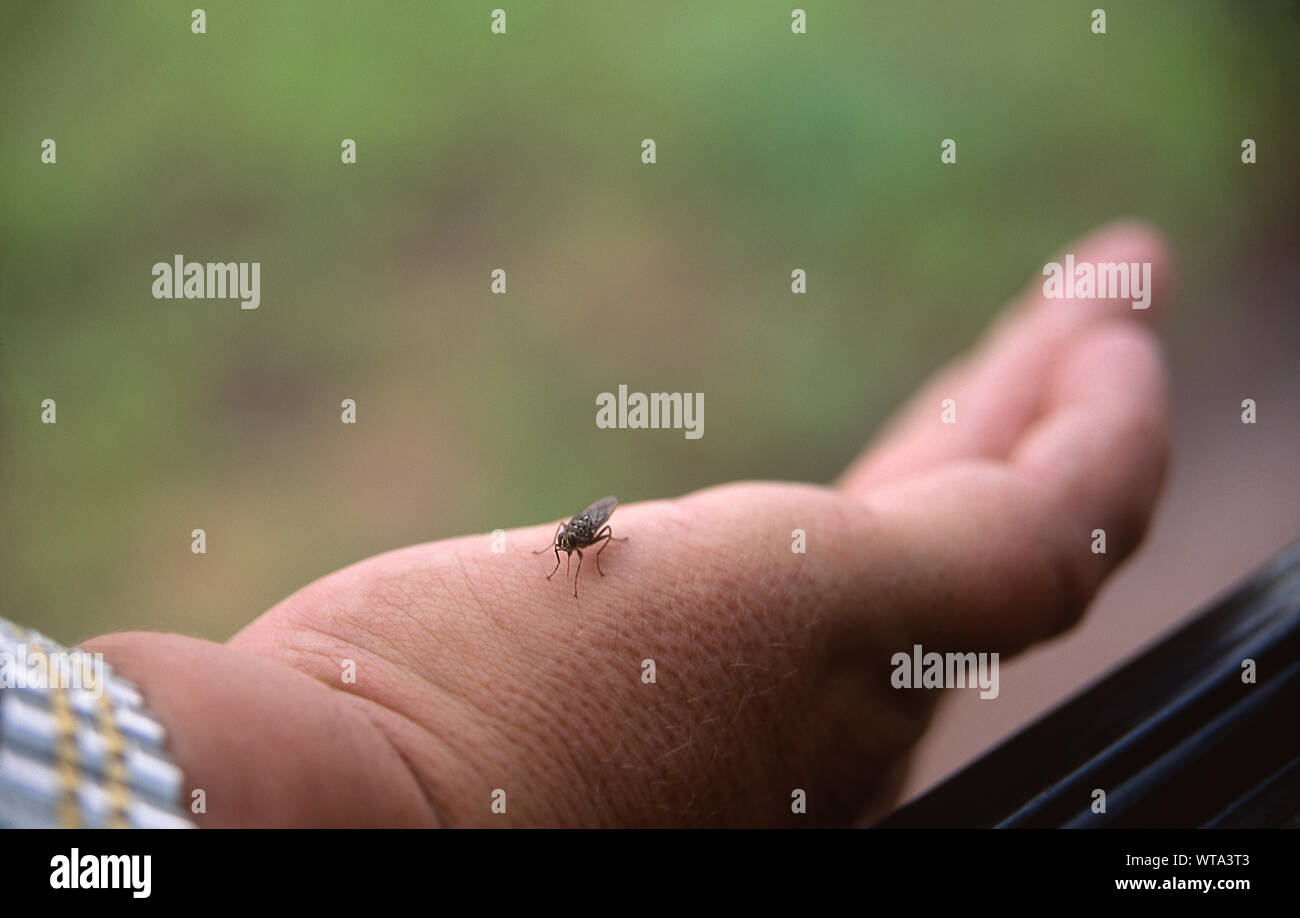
(772, 668)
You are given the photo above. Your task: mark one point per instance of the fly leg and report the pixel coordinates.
(606, 534)
(554, 542)
(556, 546)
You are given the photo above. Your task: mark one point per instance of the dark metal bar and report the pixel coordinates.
(1174, 737)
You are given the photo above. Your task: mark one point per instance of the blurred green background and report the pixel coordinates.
(522, 151)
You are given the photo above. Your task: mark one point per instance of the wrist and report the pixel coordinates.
(261, 744)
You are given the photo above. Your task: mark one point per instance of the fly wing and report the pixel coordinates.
(600, 511)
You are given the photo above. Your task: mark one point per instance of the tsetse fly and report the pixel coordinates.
(584, 530)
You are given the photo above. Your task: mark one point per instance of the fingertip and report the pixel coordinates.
(1138, 242)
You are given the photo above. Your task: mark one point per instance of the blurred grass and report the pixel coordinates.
(522, 152)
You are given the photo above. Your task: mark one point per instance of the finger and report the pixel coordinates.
(1010, 545)
(1101, 448)
(996, 389)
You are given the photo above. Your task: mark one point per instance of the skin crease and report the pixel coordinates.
(772, 668)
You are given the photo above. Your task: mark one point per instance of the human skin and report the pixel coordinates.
(473, 673)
